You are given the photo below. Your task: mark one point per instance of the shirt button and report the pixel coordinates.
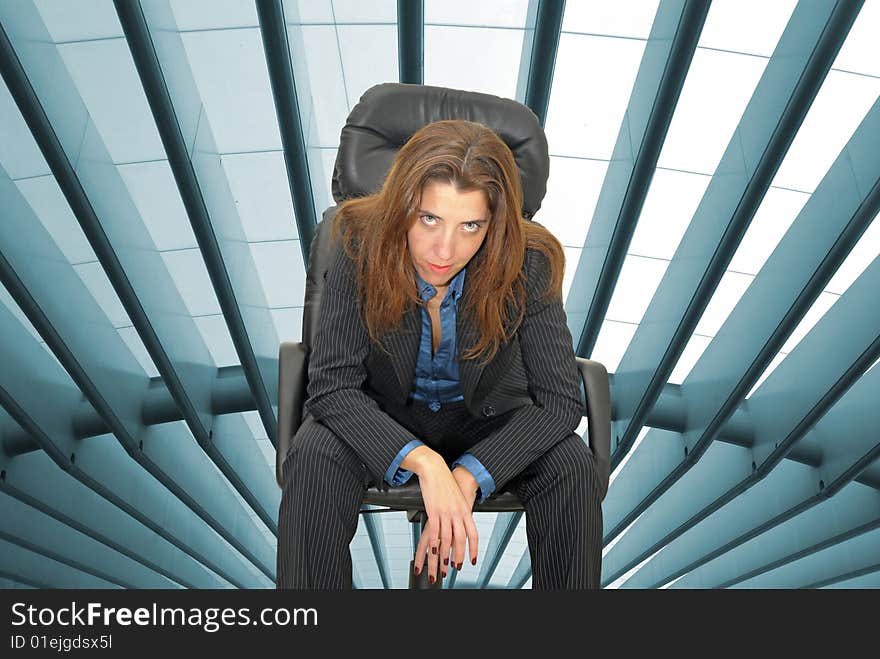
(488, 410)
(435, 405)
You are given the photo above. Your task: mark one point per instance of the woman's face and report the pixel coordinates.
(449, 229)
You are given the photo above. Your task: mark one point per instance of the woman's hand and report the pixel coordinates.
(450, 521)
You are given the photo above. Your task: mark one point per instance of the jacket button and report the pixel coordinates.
(488, 410)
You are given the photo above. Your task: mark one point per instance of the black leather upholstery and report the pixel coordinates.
(388, 114)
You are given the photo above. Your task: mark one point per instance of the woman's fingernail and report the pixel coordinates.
(445, 561)
(444, 574)
(473, 561)
(458, 566)
(416, 570)
(431, 578)
(433, 550)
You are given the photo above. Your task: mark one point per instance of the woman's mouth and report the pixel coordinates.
(439, 269)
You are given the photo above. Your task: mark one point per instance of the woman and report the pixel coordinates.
(443, 351)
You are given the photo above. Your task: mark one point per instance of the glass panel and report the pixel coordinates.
(496, 13)
(587, 103)
(450, 53)
(669, 207)
(624, 18)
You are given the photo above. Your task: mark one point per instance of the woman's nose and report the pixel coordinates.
(444, 248)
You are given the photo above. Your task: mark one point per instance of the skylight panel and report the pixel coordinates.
(495, 13)
(51, 208)
(572, 192)
(776, 361)
(746, 26)
(611, 344)
(691, 354)
(229, 68)
(771, 222)
(137, 348)
(281, 271)
(258, 183)
(94, 278)
(307, 11)
(187, 268)
(155, 194)
(861, 51)
(624, 18)
(79, 21)
(369, 57)
(325, 80)
(638, 280)
(860, 257)
(451, 53)
(841, 104)
(670, 205)
(365, 11)
(592, 83)
(19, 154)
(108, 83)
(818, 309)
(213, 14)
(216, 336)
(730, 289)
(288, 323)
(572, 257)
(716, 91)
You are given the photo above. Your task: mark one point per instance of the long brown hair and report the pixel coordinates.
(469, 156)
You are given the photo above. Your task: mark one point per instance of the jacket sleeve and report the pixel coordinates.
(336, 398)
(554, 384)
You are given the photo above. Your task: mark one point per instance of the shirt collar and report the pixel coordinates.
(426, 291)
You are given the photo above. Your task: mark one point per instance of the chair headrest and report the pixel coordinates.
(388, 114)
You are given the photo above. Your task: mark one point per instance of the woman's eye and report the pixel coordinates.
(430, 220)
(471, 227)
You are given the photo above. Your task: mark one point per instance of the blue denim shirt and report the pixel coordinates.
(436, 380)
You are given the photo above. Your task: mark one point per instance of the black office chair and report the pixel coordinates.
(384, 119)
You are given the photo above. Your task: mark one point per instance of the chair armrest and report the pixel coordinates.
(598, 413)
(292, 372)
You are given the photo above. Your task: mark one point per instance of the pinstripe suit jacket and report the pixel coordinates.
(533, 379)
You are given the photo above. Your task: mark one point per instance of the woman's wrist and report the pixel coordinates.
(421, 460)
(464, 477)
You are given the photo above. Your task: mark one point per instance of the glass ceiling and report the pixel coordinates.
(722, 262)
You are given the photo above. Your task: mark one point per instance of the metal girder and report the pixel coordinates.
(505, 525)
(42, 571)
(411, 41)
(853, 557)
(819, 397)
(55, 300)
(31, 530)
(790, 82)
(274, 32)
(795, 274)
(663, 69)
(521, 572)
(36, 482)
(853, 511)
(31, 377)
(126, 252)
(377, 540)
(542, 57)
(217, 228)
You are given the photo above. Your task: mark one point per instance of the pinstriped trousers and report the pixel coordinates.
(324, 483)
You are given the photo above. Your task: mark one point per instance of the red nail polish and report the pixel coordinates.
(444, 575)
(445, 561)
(416, 570)
(432, 579)
(473, 561)
(458, 566)
(433, 550)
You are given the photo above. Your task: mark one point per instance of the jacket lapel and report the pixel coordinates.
(403, 344)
